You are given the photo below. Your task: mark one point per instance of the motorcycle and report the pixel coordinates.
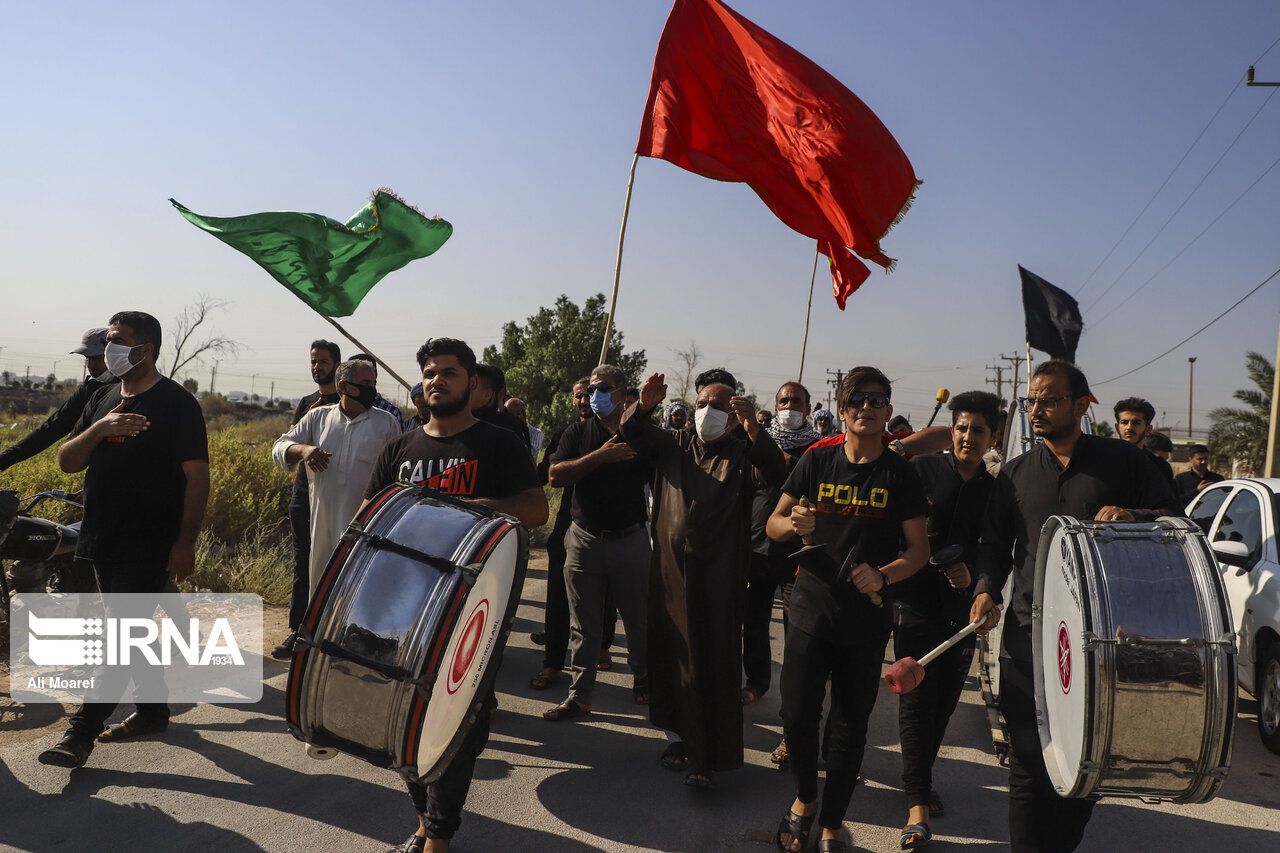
(42, 551)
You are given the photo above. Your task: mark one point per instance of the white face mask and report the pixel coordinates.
(790, 419)
(710, 423)
(117, 357)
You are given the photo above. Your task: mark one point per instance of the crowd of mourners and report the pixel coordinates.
(691, 521)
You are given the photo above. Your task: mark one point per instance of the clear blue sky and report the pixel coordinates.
(1040, 130)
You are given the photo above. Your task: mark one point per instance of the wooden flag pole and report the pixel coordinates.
(617, 266)
(809, 308)
(365, 349)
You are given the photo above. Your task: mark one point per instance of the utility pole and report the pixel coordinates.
(213, 376)
(999, 380)
(273, 392)
(1272, 462)
(253, 384)
(834, 383)
(1191, 390)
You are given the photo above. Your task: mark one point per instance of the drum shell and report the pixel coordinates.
(381, 623)
(1151, 657)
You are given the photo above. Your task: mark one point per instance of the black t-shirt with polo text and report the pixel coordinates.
(482, 461)
(858, 506)
(134, 487)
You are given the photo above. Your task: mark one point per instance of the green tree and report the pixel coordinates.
(543, 356)
(1241, 434)
(1103, 429)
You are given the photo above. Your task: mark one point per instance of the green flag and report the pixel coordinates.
(328, 264)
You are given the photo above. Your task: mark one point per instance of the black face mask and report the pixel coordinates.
(366, 396)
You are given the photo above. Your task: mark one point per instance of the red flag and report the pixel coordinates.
(847, 272)
(730, 102)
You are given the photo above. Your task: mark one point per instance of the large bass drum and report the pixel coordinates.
(1135, 660)
(404, 635)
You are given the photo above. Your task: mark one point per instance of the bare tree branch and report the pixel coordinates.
(689, 360)
(188, 335)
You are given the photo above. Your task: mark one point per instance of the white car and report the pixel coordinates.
(1240, 518)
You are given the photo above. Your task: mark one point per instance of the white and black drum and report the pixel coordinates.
(403, 637)
(1135, 660)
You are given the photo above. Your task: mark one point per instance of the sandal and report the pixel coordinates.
(640, 690)
(133, 725)
(830, 845)
(779, 756)
(566, 710)
(936, 809)
(70, 752)
(545, 679)
(415, 844)
(699, 781)
(797, 826)
(916, 835)
(604, 663)
(674, 757)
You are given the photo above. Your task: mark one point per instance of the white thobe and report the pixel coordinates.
(336, 492)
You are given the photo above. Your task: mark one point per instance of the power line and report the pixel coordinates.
(1188, 245)
(1234, 88)
(1178, 210)
(1193, 334)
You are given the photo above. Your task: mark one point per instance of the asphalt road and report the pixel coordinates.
(228, 778)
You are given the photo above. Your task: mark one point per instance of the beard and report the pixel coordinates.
(322, 379)
(449, 408)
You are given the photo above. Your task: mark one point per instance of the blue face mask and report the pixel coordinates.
(602, 403)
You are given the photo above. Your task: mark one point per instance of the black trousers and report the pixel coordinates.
(90, 719)
(1040, 821)
(767, 575)
(923, 713)
(555, 622)
(442, 801)
(300, 527)
(854, 671)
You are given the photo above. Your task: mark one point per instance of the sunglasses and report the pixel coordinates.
(876, 399)
(1026, 404)
(601, 386)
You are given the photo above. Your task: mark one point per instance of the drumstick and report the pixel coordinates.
(807, 539)
(906, 674)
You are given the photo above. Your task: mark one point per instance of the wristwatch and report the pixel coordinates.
(884, 578)
(898, 447)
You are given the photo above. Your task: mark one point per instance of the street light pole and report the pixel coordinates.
(1191, 389)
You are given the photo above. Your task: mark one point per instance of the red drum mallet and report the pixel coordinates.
(905, 675)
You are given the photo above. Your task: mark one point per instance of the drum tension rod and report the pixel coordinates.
(1197, 642)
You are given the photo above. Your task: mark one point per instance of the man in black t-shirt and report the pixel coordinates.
(864, 506)
(1090, 478)
(143, 442)
(1189, 483)
(460, 456)
(325, 357)
(607, 545)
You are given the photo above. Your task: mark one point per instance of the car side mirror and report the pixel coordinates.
(1232, 553)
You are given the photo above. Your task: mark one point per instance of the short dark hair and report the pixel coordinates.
(982, 403)
(584, 380)
(448, 346)
(858, 377)
(364, 356)
(609, 370)
(1139, 405)
(793, 384)
(328, 346)
(898, 421)
(1193, 449)
(715, 376)
(491, 377)
(1157, 441)
(145, 328)
(1076, 383)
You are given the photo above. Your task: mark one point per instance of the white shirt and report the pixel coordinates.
(336, 492)
(535, 440)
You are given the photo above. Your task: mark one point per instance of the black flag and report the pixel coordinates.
(1053, 317)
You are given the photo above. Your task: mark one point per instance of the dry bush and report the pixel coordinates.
(260, 563)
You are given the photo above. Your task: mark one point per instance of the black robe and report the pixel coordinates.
(697, 584)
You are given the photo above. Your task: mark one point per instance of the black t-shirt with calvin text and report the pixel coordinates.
(858, 506)
(482, 461)
(135, 486)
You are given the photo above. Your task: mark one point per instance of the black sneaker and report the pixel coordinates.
(284, 651)
(538, 638)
